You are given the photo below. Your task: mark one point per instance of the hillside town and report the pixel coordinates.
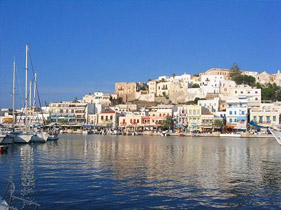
(212, 101)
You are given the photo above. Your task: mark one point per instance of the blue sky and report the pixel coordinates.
(84, 46)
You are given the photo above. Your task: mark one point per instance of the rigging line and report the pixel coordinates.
(36, 88)
(18, 80)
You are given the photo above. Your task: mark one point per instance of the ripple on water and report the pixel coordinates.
(142, 172)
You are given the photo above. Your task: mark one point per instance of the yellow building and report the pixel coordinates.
(194, 117)
(218, 71)
(265, 117)
(108, 118)
(207, 121)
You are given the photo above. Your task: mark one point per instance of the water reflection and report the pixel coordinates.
(147, 172)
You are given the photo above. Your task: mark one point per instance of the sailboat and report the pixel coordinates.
(39, 135)
(16, 136)
(24, 136)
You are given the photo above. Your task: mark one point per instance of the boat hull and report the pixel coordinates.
(2, 137)
(22, 138)
(276, 134)
(40, 137)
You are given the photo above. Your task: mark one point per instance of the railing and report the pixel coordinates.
(12, 202)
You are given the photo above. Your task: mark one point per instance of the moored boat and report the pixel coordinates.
(276, 133)
(40, 137)
(22, 138)
(53, 137)
(17, 138)
(2, 137)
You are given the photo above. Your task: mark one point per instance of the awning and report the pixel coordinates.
(241, 118)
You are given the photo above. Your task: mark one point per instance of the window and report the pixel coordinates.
(106, 118)
(243, 112)
(260, 119)
(255, 118)
(230, 120)
(230, 112)
(235, 112)
(101, 117)
(274, 118)
(111, 117)
(268, 119)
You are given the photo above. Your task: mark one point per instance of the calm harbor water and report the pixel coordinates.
(143, 172)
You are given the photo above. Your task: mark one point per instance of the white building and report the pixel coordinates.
(162, 88)
(98, 98)
(193, 93)
(211, 104)
(236, 113)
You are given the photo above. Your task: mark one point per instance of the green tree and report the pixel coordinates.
(235, 67)
(47, 122)
(244, 79)
(195, 101)
(167, 124)
(271, 92)
(234, 71)
(63, 121)
(218, 123)
(195, 85)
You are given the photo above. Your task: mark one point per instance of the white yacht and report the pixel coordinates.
(40, 137)
(23, 138)
(17, 138)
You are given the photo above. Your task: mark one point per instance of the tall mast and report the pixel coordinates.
(30, 91)
(14, 88)
(26, 54)
(34, 89)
